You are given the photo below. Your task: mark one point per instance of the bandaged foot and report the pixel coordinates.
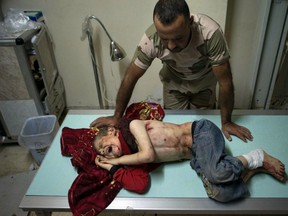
(254, 158)
(259, 161)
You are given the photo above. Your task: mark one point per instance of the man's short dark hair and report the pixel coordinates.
(168, 10)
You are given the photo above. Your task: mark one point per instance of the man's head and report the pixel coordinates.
(107, 143)
(172, 21)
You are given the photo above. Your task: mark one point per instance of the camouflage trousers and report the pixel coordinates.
(185, 94)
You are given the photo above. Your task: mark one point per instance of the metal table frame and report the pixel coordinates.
(44, 205)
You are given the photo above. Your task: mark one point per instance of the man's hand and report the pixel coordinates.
(231, 128)
(108, 120)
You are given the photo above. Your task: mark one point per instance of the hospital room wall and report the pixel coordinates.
(126, 21)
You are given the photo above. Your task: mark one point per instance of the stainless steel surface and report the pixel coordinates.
(166, 205)
(16, 38)
(96, 75)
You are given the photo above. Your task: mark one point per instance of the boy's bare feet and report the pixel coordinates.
(270, 166)
(274, 167)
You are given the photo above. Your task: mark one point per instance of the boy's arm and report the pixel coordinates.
(132, 178)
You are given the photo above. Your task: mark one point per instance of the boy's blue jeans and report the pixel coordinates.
(219, 172)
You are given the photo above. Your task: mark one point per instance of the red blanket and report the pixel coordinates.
(95, 188)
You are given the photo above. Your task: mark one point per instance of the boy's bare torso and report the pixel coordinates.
(171, 142)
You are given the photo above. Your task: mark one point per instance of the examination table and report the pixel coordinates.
(175, 187)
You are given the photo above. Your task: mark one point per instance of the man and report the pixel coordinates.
(195, 57)
(201, 142)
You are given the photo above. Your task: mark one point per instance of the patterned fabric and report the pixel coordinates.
(95, 188)
(145, 110)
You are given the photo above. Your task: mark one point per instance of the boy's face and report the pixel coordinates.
(109, 146)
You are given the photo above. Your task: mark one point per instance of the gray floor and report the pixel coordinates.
(16, 172)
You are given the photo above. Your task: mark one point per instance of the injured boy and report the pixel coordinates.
(151, 141)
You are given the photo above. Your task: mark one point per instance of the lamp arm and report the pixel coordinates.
(94, 17)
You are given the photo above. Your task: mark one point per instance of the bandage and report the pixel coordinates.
(255, 158)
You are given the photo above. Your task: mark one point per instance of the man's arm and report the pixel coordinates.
(226, 90)
(123, 96)
(226, 103)
(126, 88)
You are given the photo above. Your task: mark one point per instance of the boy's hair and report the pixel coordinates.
(168, 10)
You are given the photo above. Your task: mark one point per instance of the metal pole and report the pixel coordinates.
(95, 70)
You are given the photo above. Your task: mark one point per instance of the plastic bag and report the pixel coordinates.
(16, 21)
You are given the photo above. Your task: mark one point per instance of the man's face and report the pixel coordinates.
(175, 36)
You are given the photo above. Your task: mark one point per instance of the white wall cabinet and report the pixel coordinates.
(30, 84)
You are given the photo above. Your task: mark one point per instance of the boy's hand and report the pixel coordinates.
(104, 160)
(99, 162)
